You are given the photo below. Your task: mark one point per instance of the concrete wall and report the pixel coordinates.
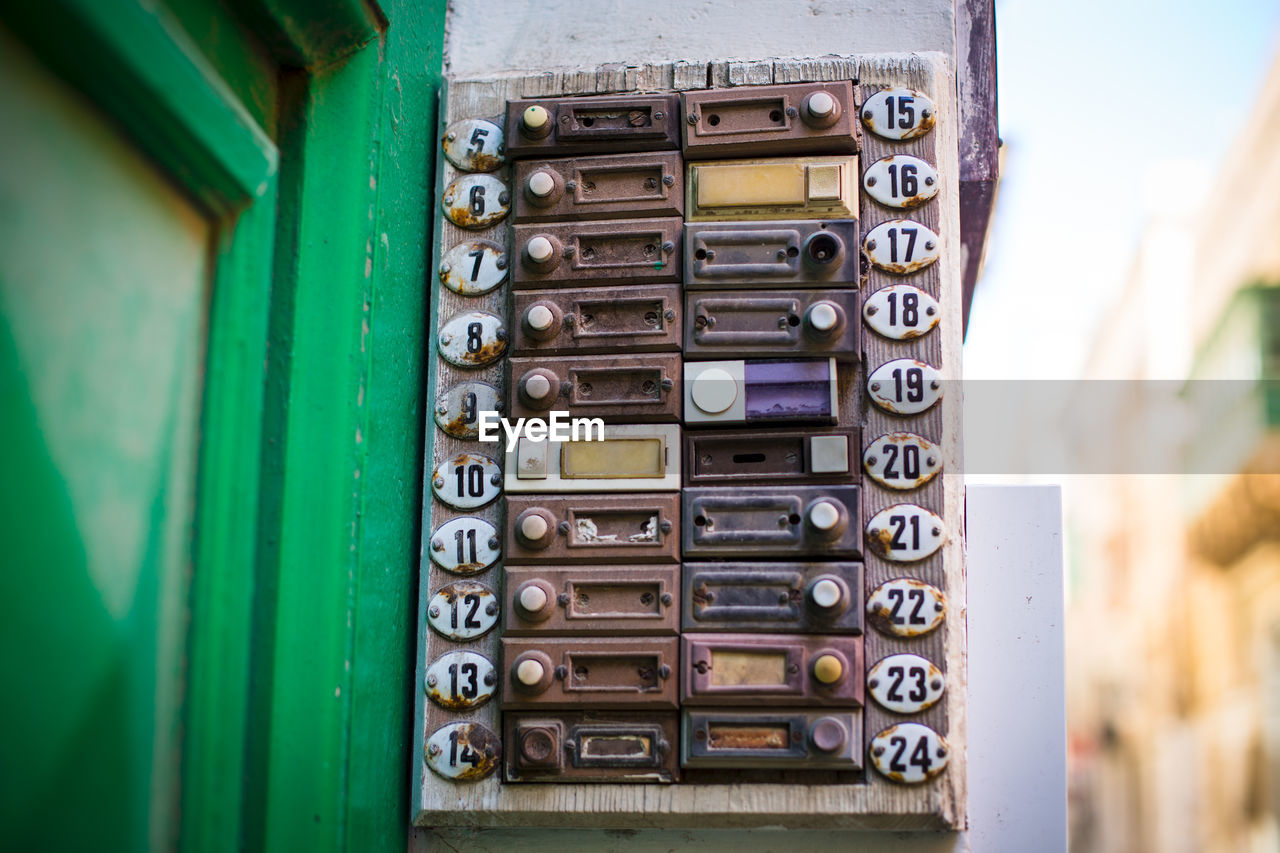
(495, 36)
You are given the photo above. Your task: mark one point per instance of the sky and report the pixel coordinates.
(1101, 102)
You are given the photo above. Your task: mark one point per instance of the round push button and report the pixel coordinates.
(714, 390)
(530, 672)
(828, 734)
(541, 184)
(824, 515)
(824, 317)
(828, 669)
(538, 387)
(540, 250)
(533, 598)
(826, 593)
(539, 317)
(821, 105)
(533, 527)
(535, 117)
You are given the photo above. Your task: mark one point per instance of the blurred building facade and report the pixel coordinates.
(1173, 625)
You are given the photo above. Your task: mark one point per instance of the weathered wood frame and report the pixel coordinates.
(875, 802)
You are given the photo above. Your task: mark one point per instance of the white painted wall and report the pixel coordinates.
(488, 37)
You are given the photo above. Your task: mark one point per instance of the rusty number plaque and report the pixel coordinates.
(592, 600)
(747, 323)
(778, 521)
(771, 254)
(617, 388)
(802, 118)
(591, 672)
(607, 529)
(771, 671)
(797, 739)
(592, 746)
(770, 458)
(618, 186)
(568, 254)
(795, 598)
(597, 320)
(597, 125)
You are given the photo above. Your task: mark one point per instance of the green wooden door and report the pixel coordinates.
(210, 406)
(104, 271)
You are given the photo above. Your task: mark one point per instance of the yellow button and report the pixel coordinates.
(750, 183)
(534, 117)
(828, 669)
(824, 183)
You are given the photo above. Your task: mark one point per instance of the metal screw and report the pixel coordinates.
(931, 310)
(568, 251)
(446, 339)
(669, 180)
(668, 247)
(873, 683)
(875, 386)
(501, 263)
(437, 545)
(659, 115)
(936, 684)
(874, 532)
(433, 612)
(928, 182)
(493, 543)
(451, 136)
(492, 608)
(871, 245)
(930, 461)
(925, 113)
(563, 528)
(666, 599)
(442, 409)
(504, 198)
(495, 479)
(871, 180)
(782, 253)
(434, 750)
(692, 118)
(570, 185)
(438, 482)
(431, 681)
(929, 244)
(501, 335)
(711, 255)
(444, 268)
(669, 315)
(665, 527)
(866, 114)
(664, 671)
(938, 607)
(792, 112)
(871, 310)
(934, 385)
(872, 460)
(878, 751)
(490, 679)
(942, 752)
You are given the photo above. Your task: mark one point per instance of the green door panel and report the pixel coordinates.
(103, 305)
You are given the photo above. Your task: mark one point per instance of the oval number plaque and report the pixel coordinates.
(458, 408)
(901, 181)
(474, 145)
(906, 607)
(905, 386)
(902, 460)
(905, 533)
(476, 201)
(474, 267)
(901, 246)
(472, 339)
(463, 610)
(463, 752)
(900, 312)
(465, 546)
(461, 680)
(899, 114)
(909, 753)
(467, 481)
(905, 683)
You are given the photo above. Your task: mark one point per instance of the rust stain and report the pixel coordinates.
(748, 737)
(490, 352)
(462, 216)
(925, 126)
(485, 162)
(457, 589)
(459, 703)
(914, 201)
(459, 428)
(485, 745)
